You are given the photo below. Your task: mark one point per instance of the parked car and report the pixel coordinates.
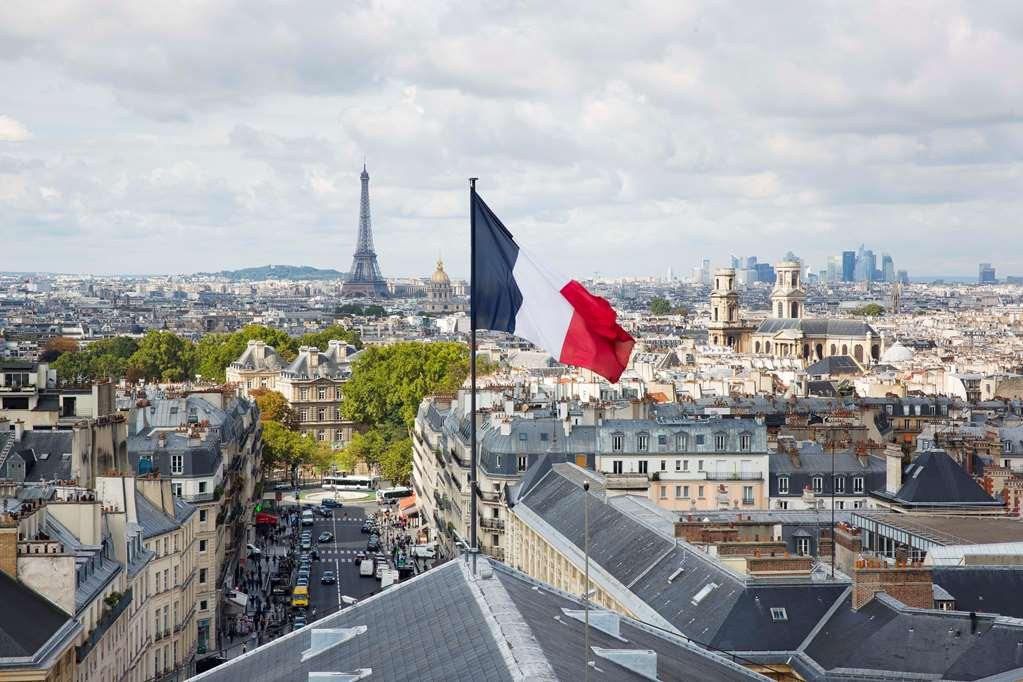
(424, 552)
(325, 536)
(299, 622)
(302, 582)
(360, 555)
(373, 544)
(303, 573)
(306, 544)
(324, 511)
(367, 527)
(328, 578)
(282, 486)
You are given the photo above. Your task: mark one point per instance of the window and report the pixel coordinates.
(303, 415)
(858, 484)
(523, 436)
(699, 466)
(203, 605)
(858, 504)
(779, 614)
(337, 414)
(176, 489)
(839, 504)
(643, 465)
(643, 442)
(321, 392)
(783, 504)
(699, 492)
(177, 464)
(166, 581)
(521, 464)
(544, 437)
(701, 439)
(202, 516)
(617, 442)
(662, 440)
(664, 465)
(678, 492)
(747, 494)
(664, 492)
(685, 491)
(497, 461)
(495, 539)
(202, 489)
(818, 484)
(202, 576)
(616, 466)
(321, 434)
(681, 442)
(720, 440)
(745, 442)
(839, 485)
(678, 465)
(783, 485)
(685, 465)
(202, 545)
(303, 394)
(1007, 446)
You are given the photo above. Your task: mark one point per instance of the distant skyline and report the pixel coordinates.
(178, 138)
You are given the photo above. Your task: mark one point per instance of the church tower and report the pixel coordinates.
(788, 300)
(725, 328)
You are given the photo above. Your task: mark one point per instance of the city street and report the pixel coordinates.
(339, 556)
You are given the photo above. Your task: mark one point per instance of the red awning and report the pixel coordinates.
(264, 519)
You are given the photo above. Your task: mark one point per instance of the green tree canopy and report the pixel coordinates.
(164, 356)
(103, 359)
(869, 310)
(215, 352)
(660, 306)
(389, 382)
(283, 447)
(396, 461)
(334, 332)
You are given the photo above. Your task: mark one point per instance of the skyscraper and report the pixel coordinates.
(887, 268)
(364, 278)
(848, 266)
(986, 274)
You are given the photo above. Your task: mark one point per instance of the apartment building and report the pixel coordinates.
(687, 464)
(29, 393)
(257, 367)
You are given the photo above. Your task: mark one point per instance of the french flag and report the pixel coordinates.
(512, 292)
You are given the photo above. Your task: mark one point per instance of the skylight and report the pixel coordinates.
(779, 614)
(704, 591)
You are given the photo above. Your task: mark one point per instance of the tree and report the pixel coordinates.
(396, 461)
(273, 406)
(389, 382)
(57, 346)
(334, 332)
(283, 447)
(164, 356)
(103, 359)
(659, 306)
(367, 447)
(869, 310)
(74, 367)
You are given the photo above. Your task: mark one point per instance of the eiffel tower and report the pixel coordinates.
(364, 278)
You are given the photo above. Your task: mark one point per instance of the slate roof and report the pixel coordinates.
(935, 479)
(817, 327)
(639, 560)
(499, 452)
(27, 620)
(43, 452)
(328, 364)
(835, 364)
(886, 640)
(984, 589)
(249, 359)
(442, 625)
(94, 569)
(152, 519)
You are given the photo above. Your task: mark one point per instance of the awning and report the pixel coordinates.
(264, 519)
(408, 506)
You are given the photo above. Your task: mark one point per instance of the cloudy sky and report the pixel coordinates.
(623, 138)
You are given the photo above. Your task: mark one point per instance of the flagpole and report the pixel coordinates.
(474, 546)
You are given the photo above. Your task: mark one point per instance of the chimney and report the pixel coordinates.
(19, 430)
(911, 585)
(314, 357)
(893, 476)
(9, 545)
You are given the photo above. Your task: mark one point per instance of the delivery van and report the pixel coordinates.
(300, 596)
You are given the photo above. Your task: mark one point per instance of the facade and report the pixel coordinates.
(312, 385)
(364, 278)
(808, 478)
(257, 367)
(787, 333)
(687, 464)
(29, 393)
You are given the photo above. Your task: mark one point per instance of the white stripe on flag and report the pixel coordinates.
(544, 315)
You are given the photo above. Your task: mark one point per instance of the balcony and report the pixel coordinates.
(495, 552)
(734, 476)
(108, 618)
(492, 524)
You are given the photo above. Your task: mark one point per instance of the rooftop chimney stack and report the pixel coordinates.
(893, 476)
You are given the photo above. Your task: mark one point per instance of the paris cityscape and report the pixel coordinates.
(687, 344)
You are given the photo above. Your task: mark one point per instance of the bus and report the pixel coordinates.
(350, 482)
(392, 495)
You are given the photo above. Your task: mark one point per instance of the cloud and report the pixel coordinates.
(625, 139)
(12, 131)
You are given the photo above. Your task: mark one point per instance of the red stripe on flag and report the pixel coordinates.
(594, 339)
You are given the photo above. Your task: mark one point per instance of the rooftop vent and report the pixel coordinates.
(704, 591)
(322, 639)
(643, 662)
(606, 621)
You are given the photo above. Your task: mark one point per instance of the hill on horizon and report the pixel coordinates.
(279, 272)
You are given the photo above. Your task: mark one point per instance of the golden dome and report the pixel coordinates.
(440, 277)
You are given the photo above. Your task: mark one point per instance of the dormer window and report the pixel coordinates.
(818, 484)
(720, 441)
(745, 442)
(643, 442)
(681, 441)
(617, 442)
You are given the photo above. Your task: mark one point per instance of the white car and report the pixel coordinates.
(253, 550)
(424, 552)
